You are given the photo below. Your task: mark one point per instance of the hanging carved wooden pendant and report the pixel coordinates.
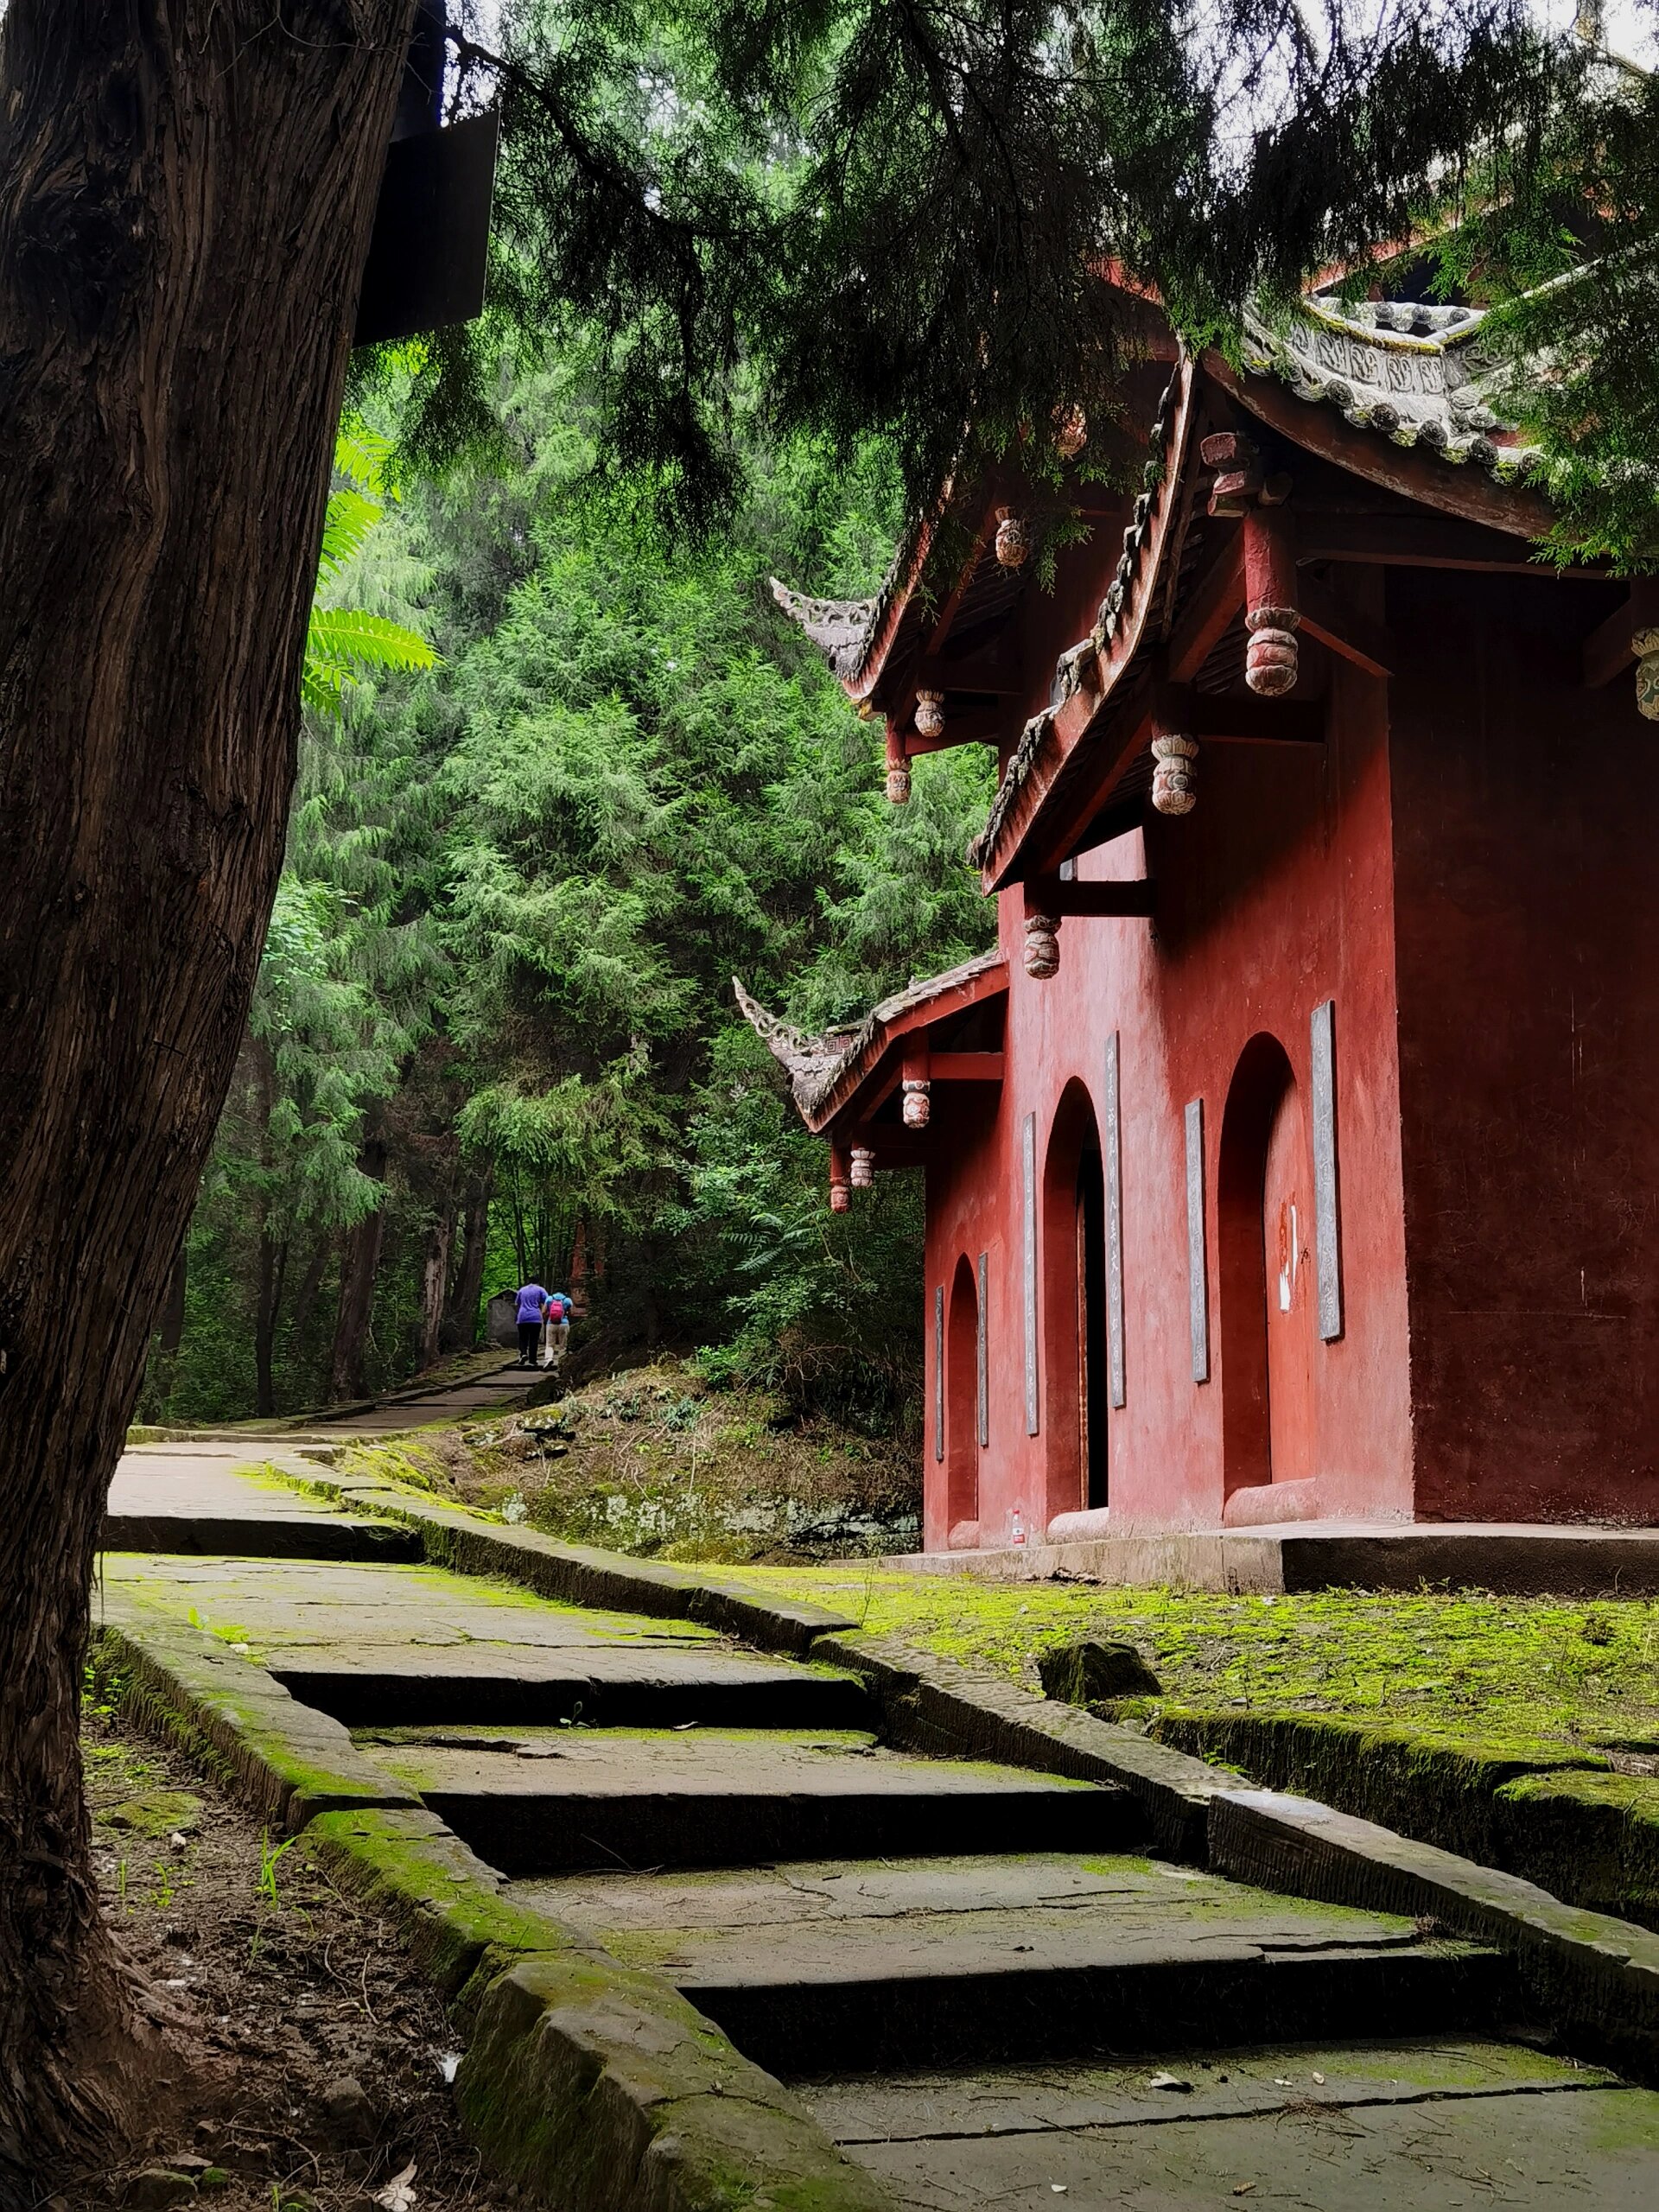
(863, 1168)
(1070, 432)
(1013, 540)
(930, 714)
(840, 1195)
(1174, 780)
(1645, 644)
(1042, 946)
(1270, 664)
(899, 785)
(918, 1107)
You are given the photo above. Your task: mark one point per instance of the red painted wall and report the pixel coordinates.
(1528, 894)
(1277, 893)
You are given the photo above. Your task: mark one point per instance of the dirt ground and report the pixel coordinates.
(323, 2058)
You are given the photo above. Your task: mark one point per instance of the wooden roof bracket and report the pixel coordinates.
(1630, 633)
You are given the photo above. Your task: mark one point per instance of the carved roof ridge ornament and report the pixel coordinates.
(815, 1066)
(1414, 373)
(841, 628)
(805, 1059)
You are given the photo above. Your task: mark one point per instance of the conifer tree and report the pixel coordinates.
(889, 218)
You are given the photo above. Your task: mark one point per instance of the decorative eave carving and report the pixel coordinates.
(1415, 374)
(824, 1072)
(1107, 650)
(805, 1059)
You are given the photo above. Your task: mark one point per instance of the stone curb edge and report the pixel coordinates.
(597, 2086)
(581, 1574)
(1596, 1977)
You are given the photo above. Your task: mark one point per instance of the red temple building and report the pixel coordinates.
(1294, 1157)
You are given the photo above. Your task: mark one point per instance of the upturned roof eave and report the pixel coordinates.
(955, 993)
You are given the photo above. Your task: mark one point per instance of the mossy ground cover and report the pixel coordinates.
(1550, 1672)
(1522, 1732)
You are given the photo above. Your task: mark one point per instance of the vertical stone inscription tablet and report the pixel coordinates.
(1114, 1230)
(983, 1352)
(1197, 1278)
(1028, 1162)
(1327, 1234)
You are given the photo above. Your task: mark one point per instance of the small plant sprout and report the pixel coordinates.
(269, 1858)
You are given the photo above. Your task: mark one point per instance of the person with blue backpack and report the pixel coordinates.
(559, 1310)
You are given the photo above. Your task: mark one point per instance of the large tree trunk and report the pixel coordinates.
(359, 1270)
(434, 1274)
(460, 1331)
(273, 1267)
(185, 196)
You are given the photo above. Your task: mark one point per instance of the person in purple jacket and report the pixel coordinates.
(532, 1311)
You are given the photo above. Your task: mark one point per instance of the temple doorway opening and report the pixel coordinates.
(961, 1406)
(1268, 1304)
(1074, 1289)
(1091, 1325)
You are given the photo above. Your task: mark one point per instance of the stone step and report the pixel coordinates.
(811, 1967)
(1370, 2126)
(641, 1686)
(617, 1798)
(265, 1535)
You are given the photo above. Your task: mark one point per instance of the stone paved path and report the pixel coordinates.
(973, 1974)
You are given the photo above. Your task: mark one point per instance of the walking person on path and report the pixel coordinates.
(532, 1311)
(558, 1329)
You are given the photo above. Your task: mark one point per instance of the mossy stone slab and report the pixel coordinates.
(1591, 1837)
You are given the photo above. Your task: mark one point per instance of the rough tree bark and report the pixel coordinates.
(359, 1268)
(185, 196)
(434, 1274)
(460, 1331)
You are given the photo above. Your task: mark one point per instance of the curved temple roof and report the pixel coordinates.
(1410, 372)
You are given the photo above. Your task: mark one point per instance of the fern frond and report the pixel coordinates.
(347, 638)
(361, 456)
(349, 519)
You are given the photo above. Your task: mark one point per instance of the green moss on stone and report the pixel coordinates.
(1594, 1838)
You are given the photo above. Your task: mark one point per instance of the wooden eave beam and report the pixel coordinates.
(1052, 894)
(1607, 650)
(964, 1067)
(872, 1080)
(1343, 629)
(1419, 541)
(1210, 612)
(968, 726)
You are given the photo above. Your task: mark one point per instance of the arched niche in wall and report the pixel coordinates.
(1075, 1380)
(962, 1408)
(1265, 1237)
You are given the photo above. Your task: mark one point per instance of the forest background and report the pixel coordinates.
(494, 1020)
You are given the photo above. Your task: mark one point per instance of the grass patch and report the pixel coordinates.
(657, 1463)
